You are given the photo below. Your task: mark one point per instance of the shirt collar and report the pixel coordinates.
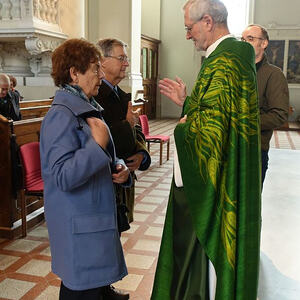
(109, 84)
(213, 46)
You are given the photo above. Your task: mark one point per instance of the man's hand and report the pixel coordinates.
(121, 175)
(183, 119)
(132, 115)
(99, 131)
(174, 90)
(134, 161)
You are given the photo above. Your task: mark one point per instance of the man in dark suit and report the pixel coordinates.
(120, 117)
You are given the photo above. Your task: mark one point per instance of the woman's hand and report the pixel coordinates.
(99, 131)
(121, 175)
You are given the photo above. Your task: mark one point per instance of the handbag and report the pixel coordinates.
(122, 218)
(122, 210)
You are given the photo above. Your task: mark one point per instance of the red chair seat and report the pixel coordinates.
(157, 137)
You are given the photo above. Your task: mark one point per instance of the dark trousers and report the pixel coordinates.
(264, 164)
(92, 294)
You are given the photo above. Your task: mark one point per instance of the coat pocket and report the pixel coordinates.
(96, 244)
(93, 223)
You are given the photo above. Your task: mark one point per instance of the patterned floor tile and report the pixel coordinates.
(14, 289)
(154, 231)
(139, 261)
(46, 252)
(133, 228)
(149, 178)
(130, 282)
(156, 200)
(7, 260)
(143, 184)
(140, 217)
(50, 293)
(160, 193)
(40, 231)
(23, 245)
(164, 186)
(148, 245)
(139, 190)
(145, 207)
(159, 220)
(36, 267)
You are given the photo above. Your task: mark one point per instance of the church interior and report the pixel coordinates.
(30, 30)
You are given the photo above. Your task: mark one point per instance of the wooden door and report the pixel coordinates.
(149, 66)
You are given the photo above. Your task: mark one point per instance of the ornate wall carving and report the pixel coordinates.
(29, 32)
(44, 10)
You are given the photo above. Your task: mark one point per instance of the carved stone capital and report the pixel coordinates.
(34, 45)
(38, 45)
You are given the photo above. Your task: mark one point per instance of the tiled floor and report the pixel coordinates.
(25, 263)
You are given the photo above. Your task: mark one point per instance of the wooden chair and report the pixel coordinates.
(161, 139)
(33, 182)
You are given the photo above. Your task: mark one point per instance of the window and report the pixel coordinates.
(240, 14)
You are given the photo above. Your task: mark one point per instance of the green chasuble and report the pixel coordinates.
(219, 157)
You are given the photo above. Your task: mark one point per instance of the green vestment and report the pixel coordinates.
(219, 156)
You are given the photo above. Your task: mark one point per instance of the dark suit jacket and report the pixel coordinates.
(127, 140)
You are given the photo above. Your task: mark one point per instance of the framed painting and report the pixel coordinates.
(293, 67)
(275, 53)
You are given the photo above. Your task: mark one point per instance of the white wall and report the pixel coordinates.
(109, 18)
(72, 18)
(281, 12)
(151, 18)
(177, 55)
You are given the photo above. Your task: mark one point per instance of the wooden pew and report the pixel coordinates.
(33, 103)
(25, 131)
(34, 111)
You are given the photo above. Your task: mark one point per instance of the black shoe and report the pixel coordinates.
(111, 293)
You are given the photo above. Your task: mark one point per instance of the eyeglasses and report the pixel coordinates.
(189, 29)
(121, 58)
(250, 38)
(98, 71)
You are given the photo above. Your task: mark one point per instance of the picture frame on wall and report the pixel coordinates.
(275, 53)
(293, 67)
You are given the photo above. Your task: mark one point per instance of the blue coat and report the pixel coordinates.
(80, 205)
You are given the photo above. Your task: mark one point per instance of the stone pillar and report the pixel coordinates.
(135, 77)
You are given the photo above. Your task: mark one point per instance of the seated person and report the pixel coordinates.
(9, 103)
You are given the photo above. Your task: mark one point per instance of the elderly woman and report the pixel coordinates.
(78, 168)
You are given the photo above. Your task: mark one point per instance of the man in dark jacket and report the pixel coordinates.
(273, 90)
(9, 103)
(122, 121)
(120, 117)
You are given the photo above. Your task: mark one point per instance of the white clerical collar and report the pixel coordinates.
(213, 46)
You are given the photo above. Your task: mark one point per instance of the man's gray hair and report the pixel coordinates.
(106, 45)
(4, 79)
(214, 8)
